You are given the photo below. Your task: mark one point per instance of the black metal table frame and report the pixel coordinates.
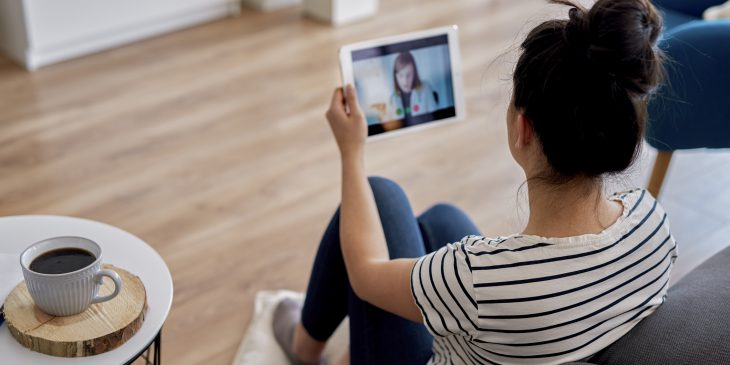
(145, 353)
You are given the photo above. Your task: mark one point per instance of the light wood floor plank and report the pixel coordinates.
(211, 145)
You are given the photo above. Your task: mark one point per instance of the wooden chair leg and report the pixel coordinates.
(661, 164)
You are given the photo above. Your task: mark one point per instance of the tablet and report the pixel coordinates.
(406, 82)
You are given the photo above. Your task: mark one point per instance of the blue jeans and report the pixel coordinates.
(377, 336)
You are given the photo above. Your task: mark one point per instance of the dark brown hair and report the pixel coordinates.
(583, 83)
(404, 59)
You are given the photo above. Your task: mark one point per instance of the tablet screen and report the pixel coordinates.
(404, 84)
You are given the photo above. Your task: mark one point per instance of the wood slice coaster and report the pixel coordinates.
(101, 328)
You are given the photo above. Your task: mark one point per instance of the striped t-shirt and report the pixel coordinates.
(533, 300)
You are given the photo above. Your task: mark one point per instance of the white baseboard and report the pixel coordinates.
(270, 5)
(35, 58)
(340, 12)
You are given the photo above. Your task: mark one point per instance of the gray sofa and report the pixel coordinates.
(691, 327)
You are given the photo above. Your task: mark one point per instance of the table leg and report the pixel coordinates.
(156, 346)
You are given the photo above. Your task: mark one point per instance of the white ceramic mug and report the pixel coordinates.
(68, 293)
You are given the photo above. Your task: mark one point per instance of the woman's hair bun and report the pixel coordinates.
(583, 82)
(619, 38)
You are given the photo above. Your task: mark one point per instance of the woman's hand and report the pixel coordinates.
(350, 129)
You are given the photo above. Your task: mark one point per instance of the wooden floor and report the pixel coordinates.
(211, 145)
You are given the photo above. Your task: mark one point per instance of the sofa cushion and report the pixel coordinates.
(689, 7)
(673, 18)
(691, 327)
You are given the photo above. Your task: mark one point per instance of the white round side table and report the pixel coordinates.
(120, 249)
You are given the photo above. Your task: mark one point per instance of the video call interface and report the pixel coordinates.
(404, 84)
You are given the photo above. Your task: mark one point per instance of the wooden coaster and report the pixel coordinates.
(101, 328)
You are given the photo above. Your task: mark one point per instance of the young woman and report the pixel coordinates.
(584, 271)
(413, 96)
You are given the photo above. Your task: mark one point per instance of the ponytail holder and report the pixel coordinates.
(576, 32)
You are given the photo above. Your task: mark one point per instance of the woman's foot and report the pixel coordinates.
(286, 318)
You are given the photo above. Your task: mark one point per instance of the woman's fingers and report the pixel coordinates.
(348, 126)
(342, 98)
(352, 101)
(337, 98)
(337, 105)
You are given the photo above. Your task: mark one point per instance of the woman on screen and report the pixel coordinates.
(583, 272)
(412, 96)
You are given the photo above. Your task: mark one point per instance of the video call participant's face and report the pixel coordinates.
(404, 77)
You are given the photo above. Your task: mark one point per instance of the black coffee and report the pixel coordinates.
(62, 260)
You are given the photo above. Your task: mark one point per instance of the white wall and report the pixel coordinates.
(57, 30)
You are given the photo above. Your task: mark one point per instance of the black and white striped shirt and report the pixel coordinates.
(533, 300)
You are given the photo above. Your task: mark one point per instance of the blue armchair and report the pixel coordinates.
(692, 108)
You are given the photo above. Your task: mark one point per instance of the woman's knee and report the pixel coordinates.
(444, 223)
(441, 210)
(384, 187)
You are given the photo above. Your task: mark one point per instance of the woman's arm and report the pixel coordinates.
(374, 277)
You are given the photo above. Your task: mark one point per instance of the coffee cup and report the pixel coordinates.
(63, 275)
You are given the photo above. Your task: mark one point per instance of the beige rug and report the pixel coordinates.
(259, 346)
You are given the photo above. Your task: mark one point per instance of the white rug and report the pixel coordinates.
(259, 346)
